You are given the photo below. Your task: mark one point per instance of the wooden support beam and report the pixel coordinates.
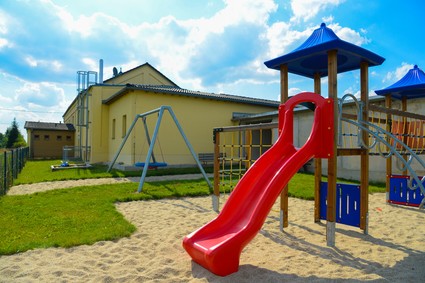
(284, 95)
(364, 157)
(317, 161)
(389, 166)
(350, 151)
(332, 162)
(216, 195)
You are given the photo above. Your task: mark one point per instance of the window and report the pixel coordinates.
(36, 137)
(124, 125)
(58, 138)
(68, 138)
(46, 137)
(113, 129)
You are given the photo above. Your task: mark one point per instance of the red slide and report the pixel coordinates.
(218, 244)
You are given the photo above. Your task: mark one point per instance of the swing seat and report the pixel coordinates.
(151, 165)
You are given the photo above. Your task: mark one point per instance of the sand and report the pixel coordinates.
(394, 250)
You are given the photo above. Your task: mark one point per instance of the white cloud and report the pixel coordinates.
(54, 65)
(349, 34)
(4, 43)
(42, 94)
(307, 9)
(396, 75)
(281, 36)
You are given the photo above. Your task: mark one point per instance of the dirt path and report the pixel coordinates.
(45, 186)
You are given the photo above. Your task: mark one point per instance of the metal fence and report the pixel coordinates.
(11, 164)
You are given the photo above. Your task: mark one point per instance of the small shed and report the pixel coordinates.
(46, 139)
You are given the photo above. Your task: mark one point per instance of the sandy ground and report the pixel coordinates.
(394, 250)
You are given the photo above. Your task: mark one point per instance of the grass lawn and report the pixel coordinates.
(85, 215)
(39, 171)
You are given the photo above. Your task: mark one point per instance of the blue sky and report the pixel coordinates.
(207, 45)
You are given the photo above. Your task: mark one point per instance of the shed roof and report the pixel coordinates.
(412, 85)
(166, 89)
(48, 126)
(311, 57)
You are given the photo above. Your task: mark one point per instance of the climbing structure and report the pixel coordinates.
(409, 130)
(324, 54)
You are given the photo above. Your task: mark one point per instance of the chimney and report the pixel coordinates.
(101, 71)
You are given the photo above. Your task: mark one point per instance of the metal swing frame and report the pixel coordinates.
(160, 112)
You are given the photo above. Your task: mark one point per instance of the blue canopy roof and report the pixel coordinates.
(312, 57)
(412, 85)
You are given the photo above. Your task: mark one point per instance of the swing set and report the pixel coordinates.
(150, 155)
(154, 164)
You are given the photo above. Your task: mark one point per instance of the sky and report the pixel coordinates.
(217, 46)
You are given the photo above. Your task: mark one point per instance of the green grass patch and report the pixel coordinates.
(77, 216)
(36, 171)
(302, 186)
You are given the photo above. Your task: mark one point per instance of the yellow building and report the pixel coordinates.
(102, 114)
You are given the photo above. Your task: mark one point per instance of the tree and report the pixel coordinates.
(13, 136)
(2, 140)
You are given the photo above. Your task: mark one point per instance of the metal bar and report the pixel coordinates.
(248, 127)
(150, 151)
(189, 146)
(148, 137)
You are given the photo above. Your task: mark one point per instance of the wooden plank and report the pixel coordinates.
(332, 162)
(317, 162)
(284, 95)
(350, 151)
(396, 112)
(389, 168)
(364, 157)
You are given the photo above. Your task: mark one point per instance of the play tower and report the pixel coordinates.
(218, 244)
(324, 54)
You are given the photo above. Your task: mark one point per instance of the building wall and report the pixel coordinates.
(198, 117)
(98, 132)
(49, 144)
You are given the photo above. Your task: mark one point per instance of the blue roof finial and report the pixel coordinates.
(415, 67)
(322, 25)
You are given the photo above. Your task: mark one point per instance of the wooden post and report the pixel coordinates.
(317, 162)
(364, 157)
(248, 137)
(216, 195)
(406, 128)
(332, 162)
(389, 164)
(284, 95)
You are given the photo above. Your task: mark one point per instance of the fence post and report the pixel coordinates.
(5, 172)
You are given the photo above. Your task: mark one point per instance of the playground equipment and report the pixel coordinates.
(149, 155)
(71, 159)
(218, 244)
(410, 130)
(154, 164)
(237, 148)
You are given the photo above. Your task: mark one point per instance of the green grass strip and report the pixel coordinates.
(77, 216)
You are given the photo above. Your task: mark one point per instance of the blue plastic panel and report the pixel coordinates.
(347, 203)
(401, 194)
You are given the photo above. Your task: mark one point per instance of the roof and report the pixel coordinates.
(412, 85)
(49, 126)
(140, 66)
(311, 57)
(189, 93)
